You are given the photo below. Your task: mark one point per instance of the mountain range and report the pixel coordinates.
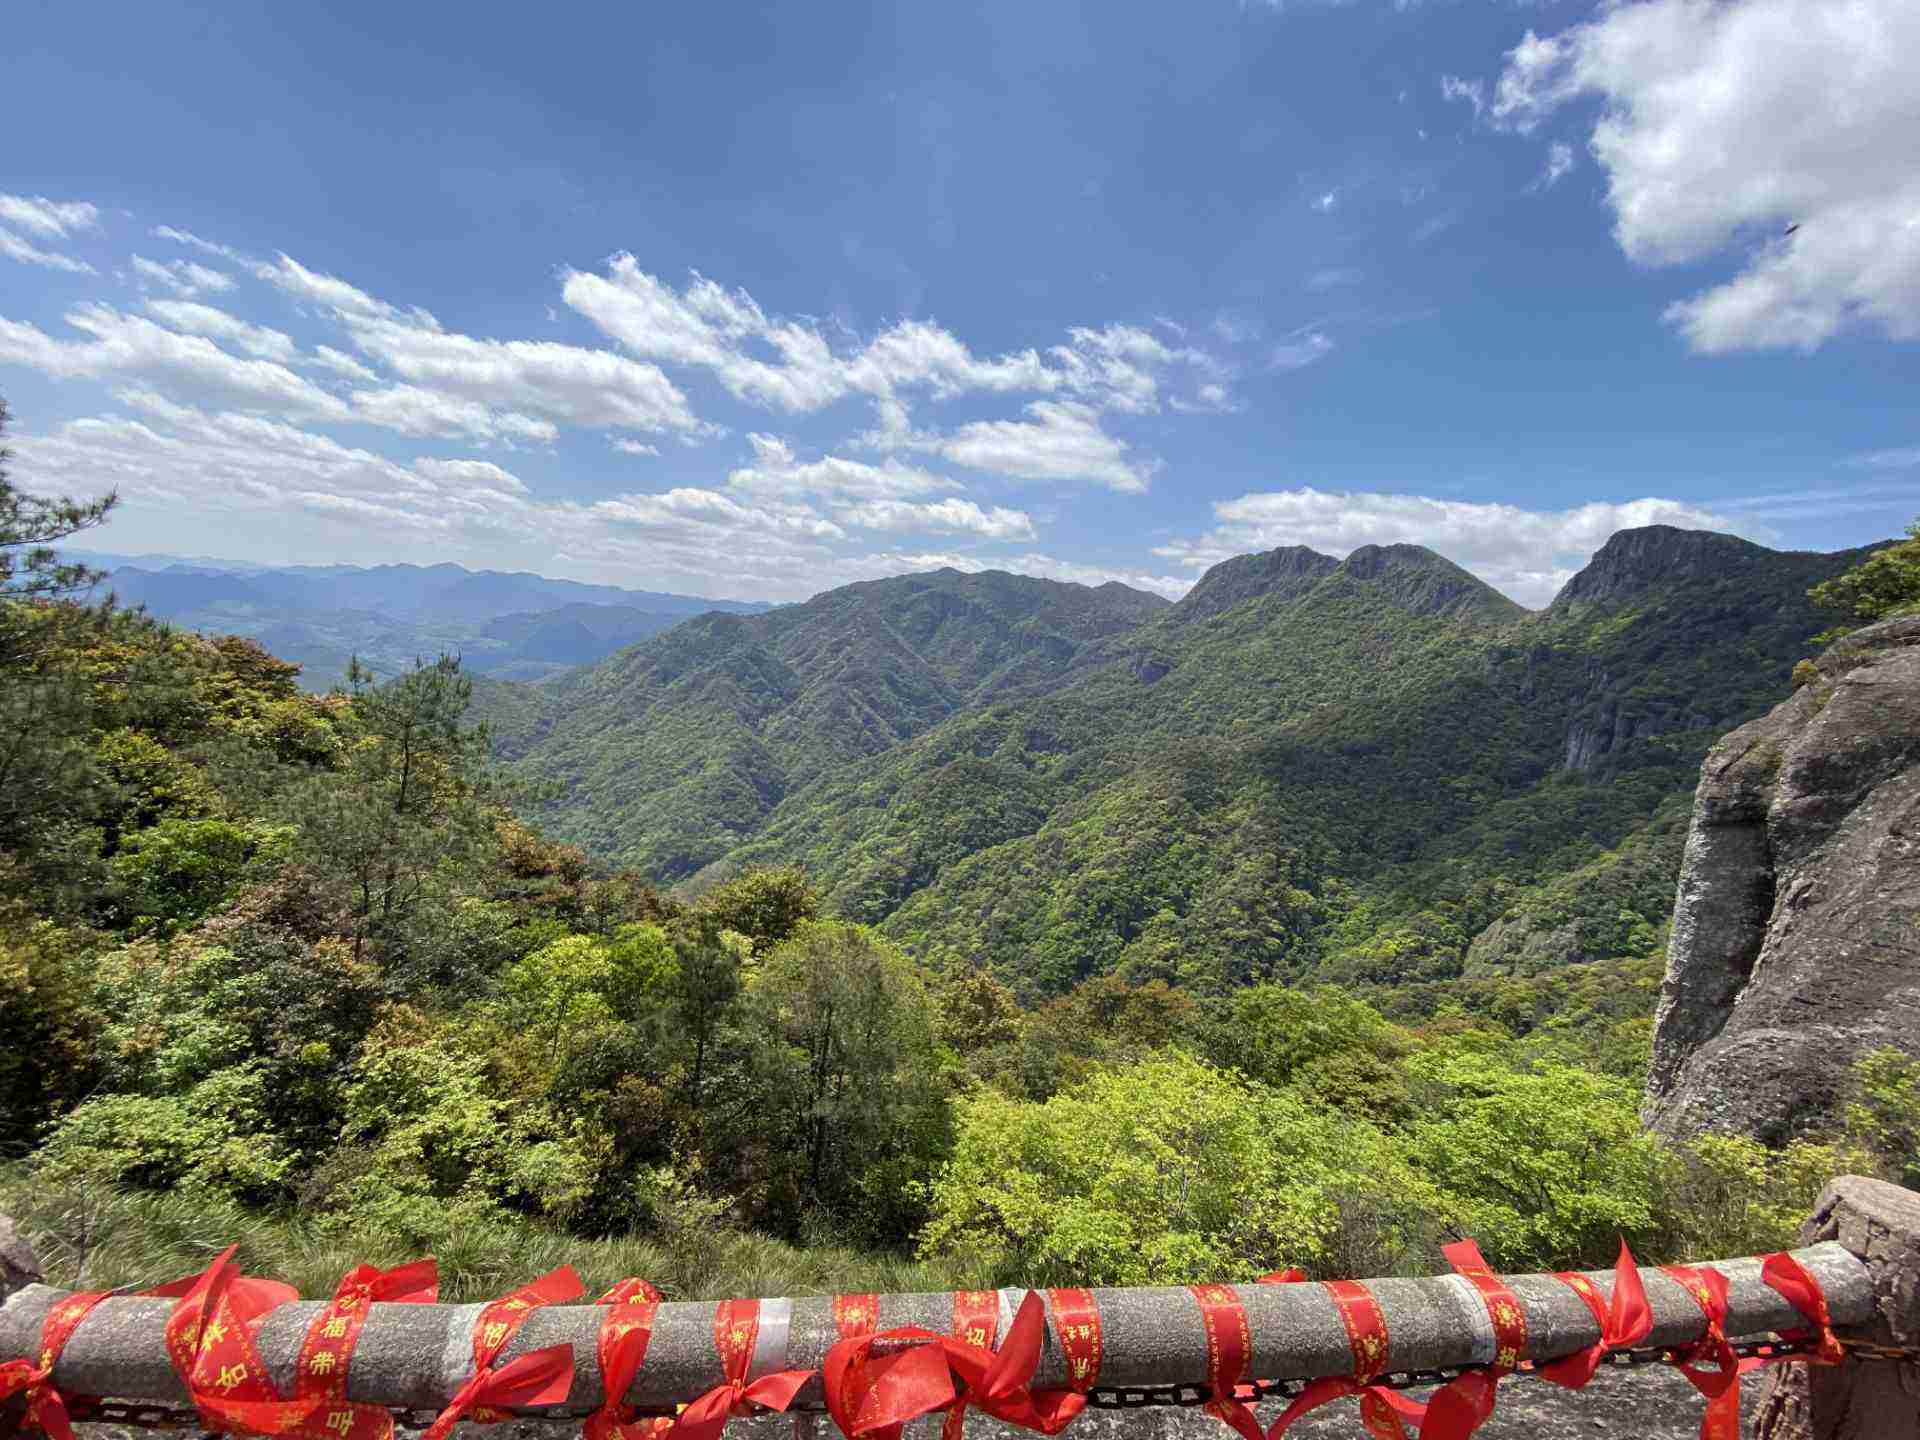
(512, 624)
(1376, 768)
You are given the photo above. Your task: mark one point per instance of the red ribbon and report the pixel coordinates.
(1381, 1409)
(999, 1382)
(540, 1377)
(321, 1370)
(1624, 1322)
(210, 1340)
(1792, 1280)
(1463, 1404)
(625, 1332)
(736, 1329)
(1229, 1351)
(46, 1407)
(872, 1395)
(1721, 1384)
(1076, 1320)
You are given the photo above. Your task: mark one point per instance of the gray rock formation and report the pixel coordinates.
(1796, 932)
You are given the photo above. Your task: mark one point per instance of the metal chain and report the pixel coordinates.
(165, 1417)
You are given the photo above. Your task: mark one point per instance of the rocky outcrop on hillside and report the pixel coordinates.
(1635, 561)
(1796, 932)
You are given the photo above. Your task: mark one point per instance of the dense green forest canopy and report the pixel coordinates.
(291, 968)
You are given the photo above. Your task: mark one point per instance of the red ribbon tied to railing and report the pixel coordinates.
(320, 1371)
(1223, 1320)
(1000, 1381)
(46, 1408)
(1465, 1403)
(1381, 1409)
(1624, 1321)
(1707, 1288)
(209, 1337)
(626, 1329)
(736, 1331)
(1797, 1286)
(540, 1377)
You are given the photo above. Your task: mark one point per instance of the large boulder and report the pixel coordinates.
(1796, 932)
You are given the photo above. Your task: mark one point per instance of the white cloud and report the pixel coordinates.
(1063, 440)
(561, 382)
(411, 410)
(56, 218)
(325, 357)
(183, 277)
(1452, 87)
(15, 248)
(635, 447)
(324, 290)
(1300, 349)
(870, 497)
(1906, 458)
(1559, 165)
(1529, 554)
(776, 472)
(952, 514)
(198, 319)
(1039, 566)
(1725, 124)
(128, 347)
(1333, 278)
(791, 366)
(184, 237)
(1325, 202)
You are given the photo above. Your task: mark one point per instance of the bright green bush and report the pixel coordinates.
(1164, 1172)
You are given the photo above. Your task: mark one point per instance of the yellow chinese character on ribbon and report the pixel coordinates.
(335, 1329)
(214, 1333)
(322, 1362)
(977, 1335)
(494, 1335)
(1508, 1358)
(515, 1303)
(231, 1375)
(340, 1421)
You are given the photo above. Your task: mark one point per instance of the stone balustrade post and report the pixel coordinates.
(1865, 1398)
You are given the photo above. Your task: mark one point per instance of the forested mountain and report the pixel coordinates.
(674, 751)
(515, 625)
(1305, 768)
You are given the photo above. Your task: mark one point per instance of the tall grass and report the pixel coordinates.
(97, 1238)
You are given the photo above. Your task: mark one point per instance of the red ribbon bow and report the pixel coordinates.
(1792, 1280)
(1721, 1384)
(625, 1332)
(999, 1381)
(1624, 1322)
(210, 1340)
(736, 1329)
(540, 1377)
(46, 1407)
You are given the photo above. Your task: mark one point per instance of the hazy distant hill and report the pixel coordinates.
(1306, 766)
(512, 624)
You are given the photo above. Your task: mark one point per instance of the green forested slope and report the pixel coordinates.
(1306, 768)
(675, 750)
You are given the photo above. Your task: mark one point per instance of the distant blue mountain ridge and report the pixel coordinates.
(507, 625)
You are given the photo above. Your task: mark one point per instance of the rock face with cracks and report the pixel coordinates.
(1796, 931)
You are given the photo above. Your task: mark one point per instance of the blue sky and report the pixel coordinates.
(757, 300)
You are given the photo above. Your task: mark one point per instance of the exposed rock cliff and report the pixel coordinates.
(1796, 932)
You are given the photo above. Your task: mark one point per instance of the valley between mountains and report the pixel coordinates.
(1375, 770)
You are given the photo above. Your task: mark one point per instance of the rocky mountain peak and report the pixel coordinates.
(1427, 583)
(1288, 572)
(1635, 561)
